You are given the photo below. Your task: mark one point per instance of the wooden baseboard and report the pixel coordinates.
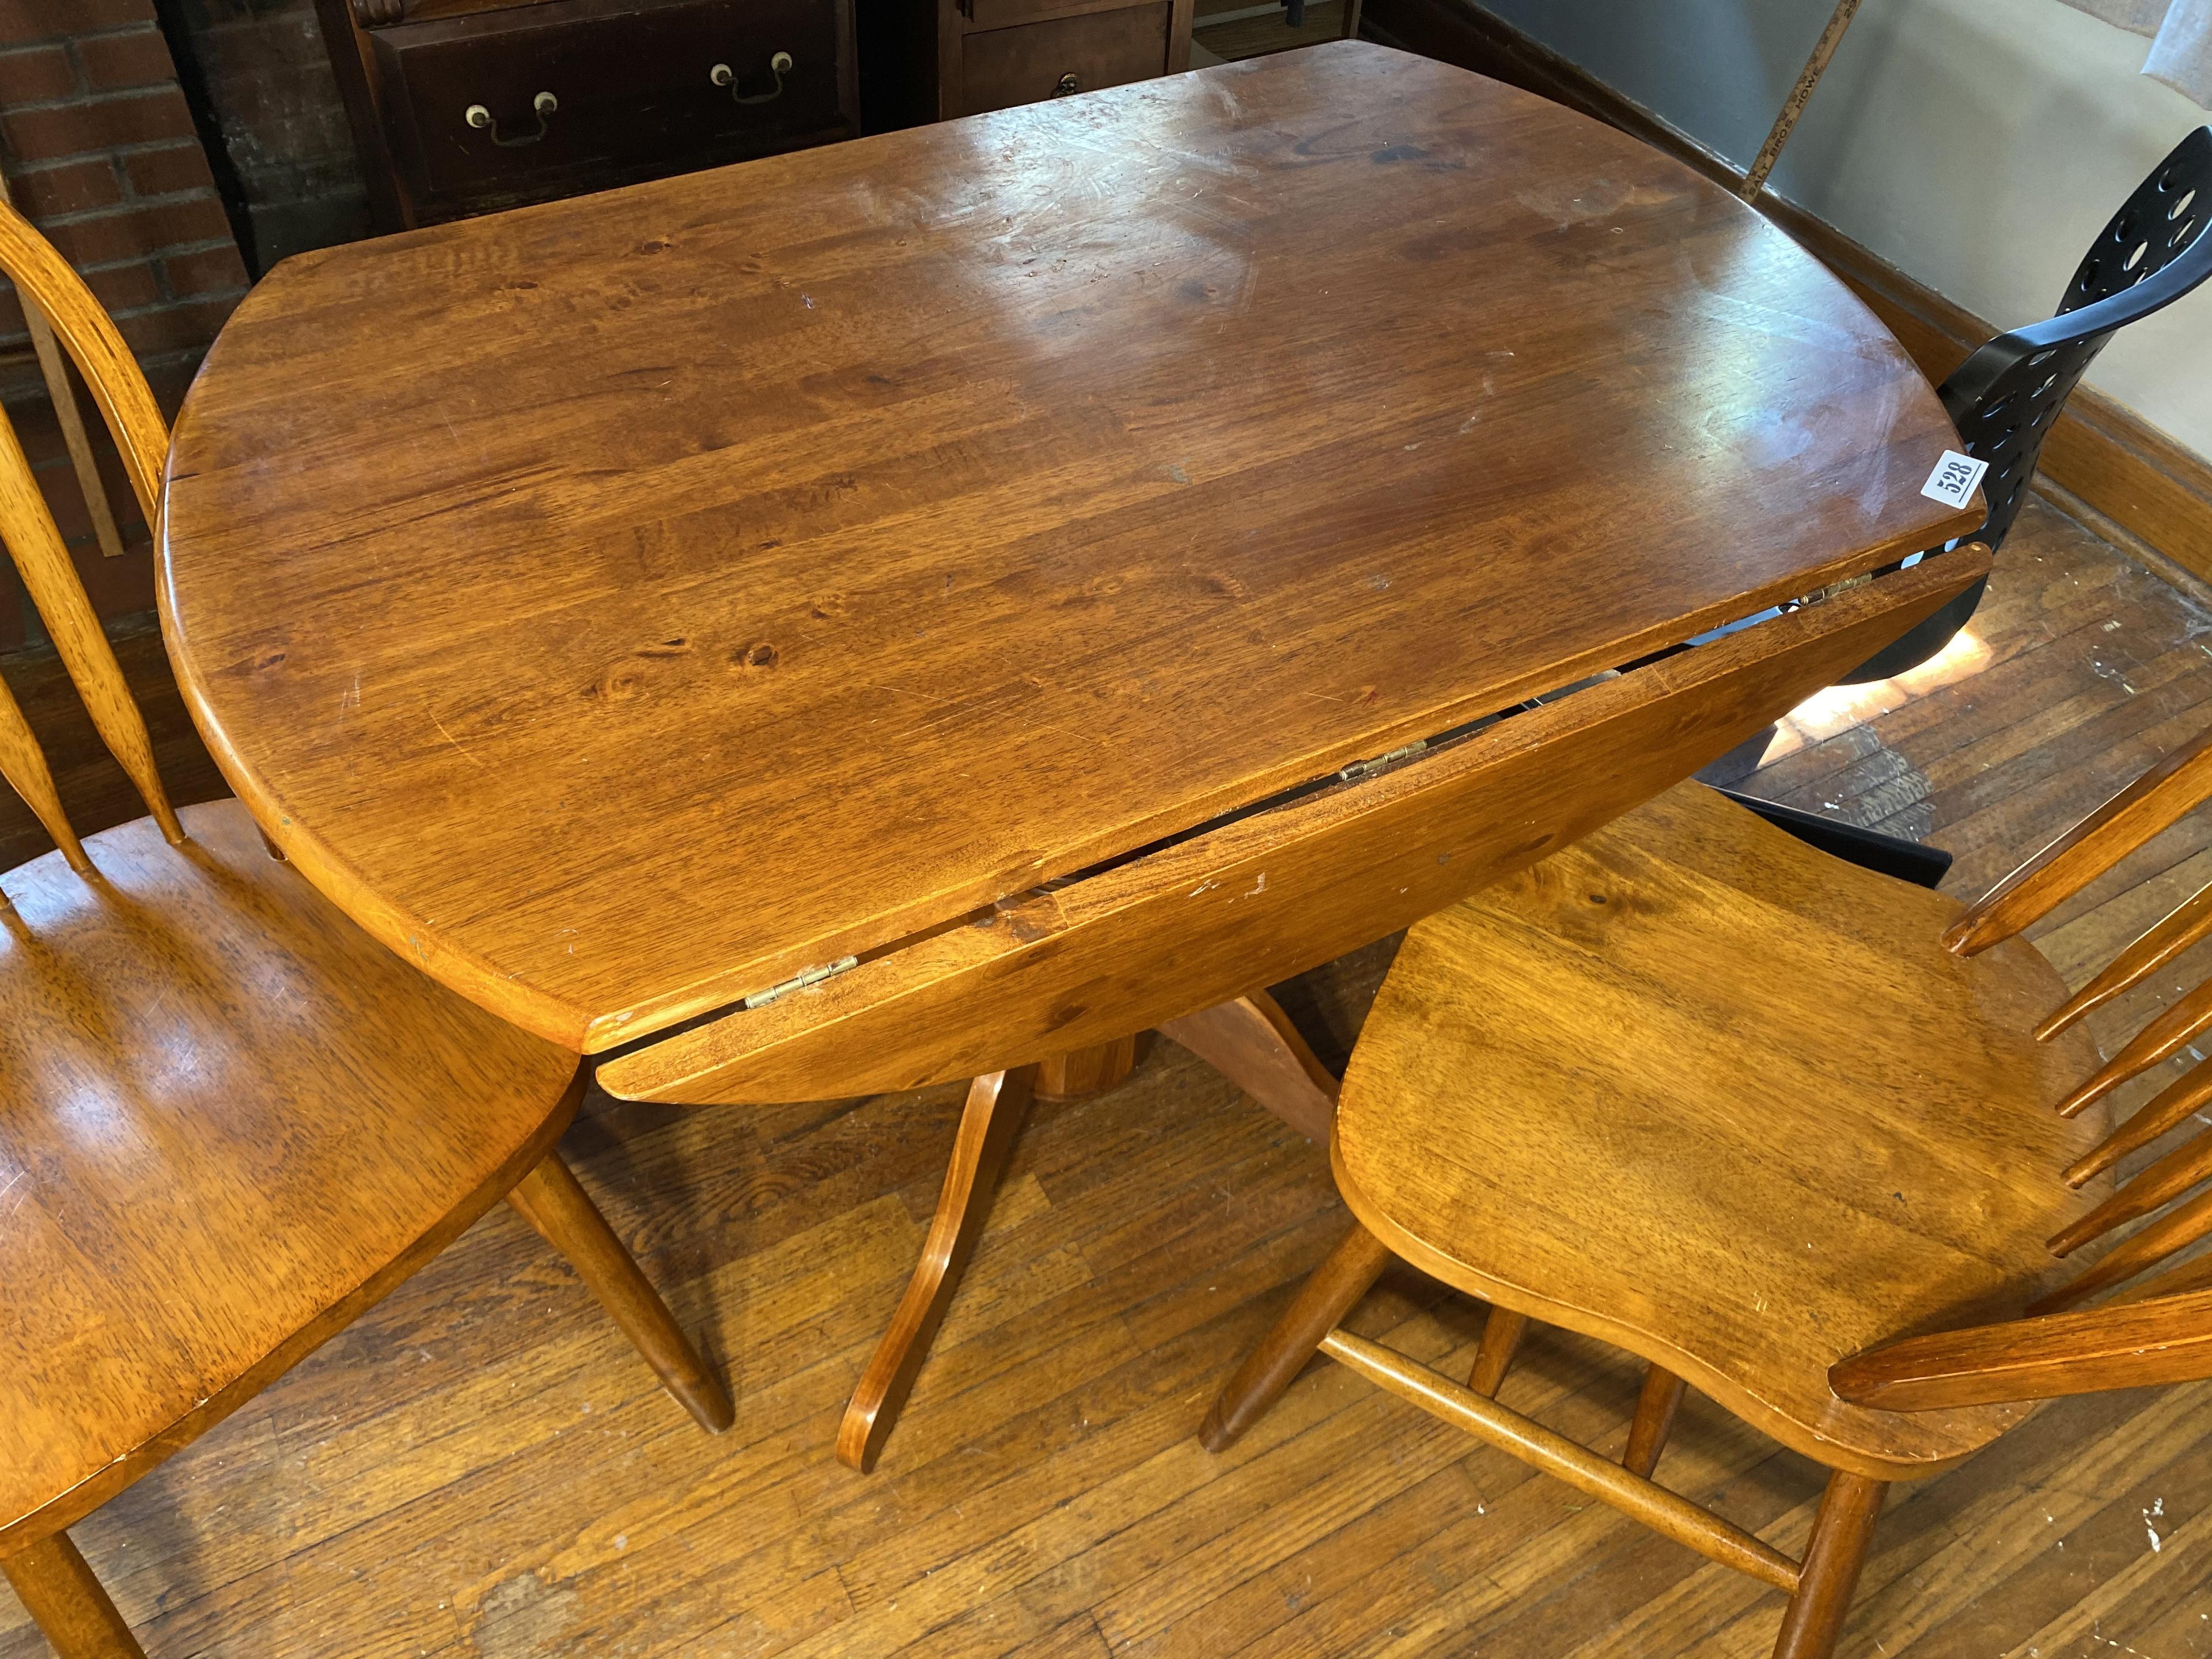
(2101, 453)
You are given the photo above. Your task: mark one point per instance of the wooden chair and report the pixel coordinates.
(1815, 1140)
(229, 1120)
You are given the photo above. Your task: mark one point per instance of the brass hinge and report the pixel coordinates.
(1368, 769)
(801, 980)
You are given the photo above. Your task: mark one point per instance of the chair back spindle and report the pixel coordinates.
(2151, 1329)
(23, 763)
(2158, 799)
(53, 367)
(34, 541)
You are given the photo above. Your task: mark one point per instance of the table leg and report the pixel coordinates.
(1252, 1042)
(989, 1123)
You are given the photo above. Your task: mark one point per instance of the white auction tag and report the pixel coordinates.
(1953, 479)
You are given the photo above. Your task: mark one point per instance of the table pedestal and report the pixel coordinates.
(1083, 1072)
(1251, 1041)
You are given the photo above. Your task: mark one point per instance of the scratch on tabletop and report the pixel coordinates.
(1072, 734)
(457, 742)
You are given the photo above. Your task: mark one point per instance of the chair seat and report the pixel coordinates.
(1693, 1088)
(229, 1120)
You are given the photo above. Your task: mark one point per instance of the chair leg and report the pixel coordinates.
(1501, 1339)
(1841, 1533)
(58, 1590)
(1655, 1419)
(1269, 1369)
(549, 1199)
(990, 1122)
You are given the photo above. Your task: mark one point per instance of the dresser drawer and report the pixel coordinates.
(1003, 67)
(497, 107)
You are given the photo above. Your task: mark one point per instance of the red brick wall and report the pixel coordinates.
(99, 147)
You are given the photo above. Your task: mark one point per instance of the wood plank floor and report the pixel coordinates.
(482, 1468)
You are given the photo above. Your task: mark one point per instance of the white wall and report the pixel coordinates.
(1978, 145)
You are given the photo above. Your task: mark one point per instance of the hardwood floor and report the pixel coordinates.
(480, 1468)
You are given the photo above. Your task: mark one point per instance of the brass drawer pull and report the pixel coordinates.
(723, 75)
(482, 119)
(1067, 87)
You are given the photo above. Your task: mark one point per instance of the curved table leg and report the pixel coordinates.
(1252, 1042)
(989, 1123)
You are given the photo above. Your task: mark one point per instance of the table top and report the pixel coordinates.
(621, 604)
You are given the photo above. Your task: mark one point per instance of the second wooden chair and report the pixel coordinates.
(1811, 1139)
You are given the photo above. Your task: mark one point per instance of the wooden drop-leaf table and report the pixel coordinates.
(929, 607)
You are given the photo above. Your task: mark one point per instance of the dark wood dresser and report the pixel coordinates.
(461, 106)
(992, 54)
